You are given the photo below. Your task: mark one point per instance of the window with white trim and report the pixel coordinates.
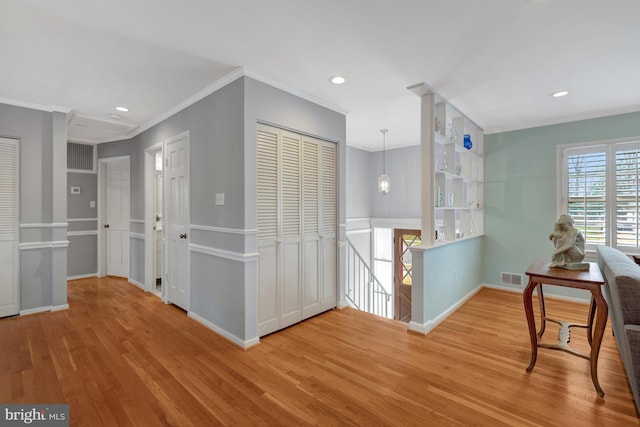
(600, 186)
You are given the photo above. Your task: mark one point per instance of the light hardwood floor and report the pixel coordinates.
(120, 357)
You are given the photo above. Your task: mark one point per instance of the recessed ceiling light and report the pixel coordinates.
(123, 109)
(337, 80)
(115, 116)
(560, 93)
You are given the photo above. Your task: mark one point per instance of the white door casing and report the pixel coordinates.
(9, 268)
(117, 213)
(153, 254)
(176, 181)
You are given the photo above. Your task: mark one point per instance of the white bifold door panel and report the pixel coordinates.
(311, 230)
(296, 178)
(9, 283)
(328, 225)
(177, 220)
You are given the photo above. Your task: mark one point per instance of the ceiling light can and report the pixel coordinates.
(560, 93)
(337, 80)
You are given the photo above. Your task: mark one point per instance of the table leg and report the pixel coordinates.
(592, 312)
(602, 311)
(543, 312)
(531, 322)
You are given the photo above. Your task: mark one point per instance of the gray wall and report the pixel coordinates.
(82, 236)
(363, 169)
(361, 182)
(42, 139)
(403, 168)
(78, 205)
(360, 179)
(222, 130)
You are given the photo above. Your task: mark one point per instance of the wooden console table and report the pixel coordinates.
(539, 272)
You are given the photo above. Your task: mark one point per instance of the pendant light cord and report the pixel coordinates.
(384, 150)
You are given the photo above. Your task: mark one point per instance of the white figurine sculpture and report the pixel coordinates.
(569, 244)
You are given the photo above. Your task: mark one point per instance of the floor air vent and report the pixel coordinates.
(512, 279)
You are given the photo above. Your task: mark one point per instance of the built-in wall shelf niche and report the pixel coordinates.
(455, 153)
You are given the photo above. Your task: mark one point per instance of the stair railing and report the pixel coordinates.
(364, 291)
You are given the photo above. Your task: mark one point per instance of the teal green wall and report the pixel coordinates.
(520, 189)
(441, 289)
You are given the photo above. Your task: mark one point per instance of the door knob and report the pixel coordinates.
(106, 226)
(183, 236)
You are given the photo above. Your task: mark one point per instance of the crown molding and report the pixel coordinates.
(215, 86)
(35, 106)
(296, 92)
(219, 84)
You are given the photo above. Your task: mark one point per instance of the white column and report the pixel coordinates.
(59, 209)
(427, 216)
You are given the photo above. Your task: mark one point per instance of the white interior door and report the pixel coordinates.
(9, 284)
(177, 220)
(117, 217)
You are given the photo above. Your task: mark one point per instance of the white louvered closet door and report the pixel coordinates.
(311, 227)
(290, 228)
(328, 225)
(267, 216)
(9, 287)
(295, 207)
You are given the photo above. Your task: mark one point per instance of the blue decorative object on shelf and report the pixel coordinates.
(467, 141)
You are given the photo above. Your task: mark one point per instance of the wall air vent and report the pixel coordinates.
(80, 157)
(511, 279)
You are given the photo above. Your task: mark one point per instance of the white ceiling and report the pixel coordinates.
(495, 60)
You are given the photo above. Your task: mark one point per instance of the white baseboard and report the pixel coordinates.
(82, 276)
(421, 328)
(245, 344)
(44, 309)
(138, 284)
(35, 310)
(425, 328)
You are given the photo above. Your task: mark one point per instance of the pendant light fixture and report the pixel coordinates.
(384, 182)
